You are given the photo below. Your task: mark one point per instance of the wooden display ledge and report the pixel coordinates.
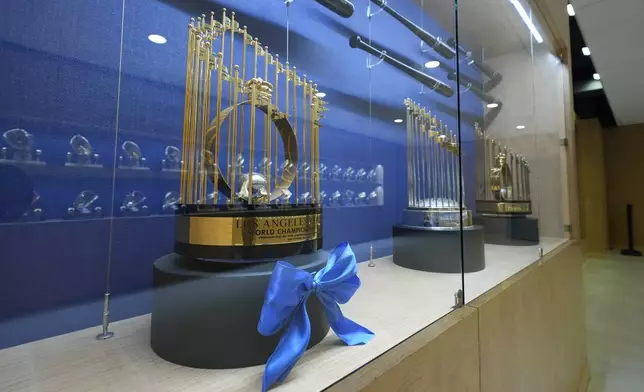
(525, 334)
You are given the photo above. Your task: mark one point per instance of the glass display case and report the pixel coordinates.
(213, 184)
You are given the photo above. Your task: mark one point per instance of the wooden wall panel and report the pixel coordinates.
(532, 333)
(526, 334)
(592, 186)
(624, 182)
(441, 357)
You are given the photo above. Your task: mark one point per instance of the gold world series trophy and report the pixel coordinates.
(245, 112)
(503, 202)
(436, 215)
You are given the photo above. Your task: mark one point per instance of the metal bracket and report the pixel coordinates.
(371, 263)
(106, 334)
(459, 301)
(540, 252)
(372, 14)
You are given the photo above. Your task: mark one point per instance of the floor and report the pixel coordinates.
(614, 291)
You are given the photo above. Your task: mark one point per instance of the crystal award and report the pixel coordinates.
(82, 153)
(84, 206)
(20, 147)
(172, 159)
(132, 204)
(132, 157)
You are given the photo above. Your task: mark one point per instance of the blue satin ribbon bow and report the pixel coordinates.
(285, 305)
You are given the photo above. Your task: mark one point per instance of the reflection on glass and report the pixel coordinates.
(82, 153)
(20, 144)
(132, 157)
(133, 204)
(84, 206)
(172, 159)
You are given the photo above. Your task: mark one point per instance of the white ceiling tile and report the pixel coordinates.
(614, 33)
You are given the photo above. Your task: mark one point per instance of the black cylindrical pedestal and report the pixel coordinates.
(431, 250)
(509, 230)
(205, 315)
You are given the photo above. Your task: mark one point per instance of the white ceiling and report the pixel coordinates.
(614, 32)
(491, 27)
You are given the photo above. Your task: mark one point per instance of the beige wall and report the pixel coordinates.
(624, 157)
(592, 185)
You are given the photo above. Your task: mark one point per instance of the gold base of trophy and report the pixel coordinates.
(505, 207)
(246, 233)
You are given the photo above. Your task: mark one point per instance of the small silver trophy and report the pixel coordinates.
(82, 153)
(305, 198)
(324, 171)
(20, 144)
(323, 198)
(304, 170)
(336, 173)
(172, 159)
(361, 199)
(132, 204)
(171, 202)
(132, 157)
(375, 175)
(84, 206)
(349, 174)
(336, 199)
(348, 197)
(361, 175)
(376, 197)
(264, 166)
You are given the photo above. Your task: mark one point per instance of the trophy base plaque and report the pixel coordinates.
(205, 314)
(513, 230)
(438, 249)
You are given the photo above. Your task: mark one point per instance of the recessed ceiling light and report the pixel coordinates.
(570, 9)
(527, 19)
(596, 76)
(585, 50)
(320, 95)
(398, 120)
(520, 126)
(432, 64)
(492, 105)
(157, 39)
